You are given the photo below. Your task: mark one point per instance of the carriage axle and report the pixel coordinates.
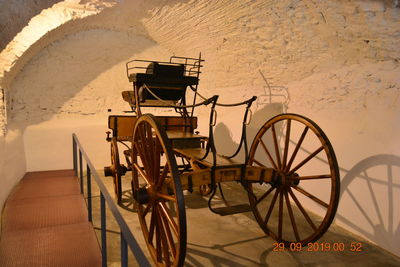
(197, 178)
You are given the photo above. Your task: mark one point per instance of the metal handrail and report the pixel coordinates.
(191, 72)
(191, 65)
(127, 238)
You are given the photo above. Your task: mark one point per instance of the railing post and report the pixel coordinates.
(103, 230)
(124, 251)
(126, 237)
(80, 171)
(74, 159)
(89, 193)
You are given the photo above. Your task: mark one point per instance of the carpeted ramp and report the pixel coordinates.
(45, 223)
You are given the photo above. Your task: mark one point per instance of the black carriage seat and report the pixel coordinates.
(166, 81)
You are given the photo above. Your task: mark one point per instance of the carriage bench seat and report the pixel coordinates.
(129, 97)
(185, 140)
(196, 154)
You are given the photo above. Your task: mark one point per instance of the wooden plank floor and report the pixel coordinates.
(45, 223)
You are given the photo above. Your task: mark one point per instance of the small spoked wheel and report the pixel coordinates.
(306, 184)
(205, 189)
(115, 167)
(158, 192)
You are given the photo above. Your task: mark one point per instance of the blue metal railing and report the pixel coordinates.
(126, 236)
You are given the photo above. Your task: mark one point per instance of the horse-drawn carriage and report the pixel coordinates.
(290, 165)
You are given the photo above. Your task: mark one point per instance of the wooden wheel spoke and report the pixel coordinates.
(280, 223)
(162, 176)
(153, 153)
(157, 160)
(163, 227)
(152, 227)
(158, 243)
(114, 154)
(313, 177)
(312, 155)
(116, 169)
(259, 163)
(268, 154)
(286, 149)
(137, 147)
(311, 196)
(171, 241)
(144, 162)
(168, 216)
(303, 135)
(164, 242)
(278, 157)
(148, 135)
(165, 197)
(271, 207)
(147, 209)
(289, 208)
(265, 195)
(142, 173)
(144, 152)
(294, 146)
(303, 211)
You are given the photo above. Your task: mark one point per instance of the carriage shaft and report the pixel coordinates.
(251, 173)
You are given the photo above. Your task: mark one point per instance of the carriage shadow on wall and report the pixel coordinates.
(371, 191)
(227, 146)
(383, 232)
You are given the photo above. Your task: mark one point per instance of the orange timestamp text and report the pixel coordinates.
(318, 246)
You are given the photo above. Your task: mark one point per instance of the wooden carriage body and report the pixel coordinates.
(154, 143)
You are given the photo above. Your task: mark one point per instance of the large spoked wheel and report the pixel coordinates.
(306, 186)
(115, 167)
(158, 191)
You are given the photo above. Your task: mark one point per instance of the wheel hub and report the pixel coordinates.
(108, 171)
(141, 195)
(147, 193)
(283, 179)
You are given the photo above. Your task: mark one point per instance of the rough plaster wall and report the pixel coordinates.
(13, 18)
(339, 64)
(12, 162)
(288, 40)
(41, 31)
(90, 68)
(46, 147)
(334, 61)
(2, 113)
(32, 38)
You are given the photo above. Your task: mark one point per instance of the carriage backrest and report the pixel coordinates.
(161, 84)
(165, 70)
(166, 82)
